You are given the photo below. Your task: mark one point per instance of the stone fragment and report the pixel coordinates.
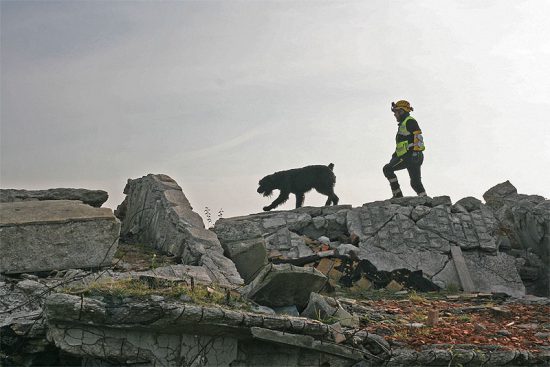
(249, 256)
(324, 240)
(326, 309)
(469, 203)
(393, 286)
(55, 234)
(288, 243)
(433, 317)
(337, 333)
(319, 308)
(362, 284)
(326, 265)
(350, 250)
(497, 193)
(284, 285)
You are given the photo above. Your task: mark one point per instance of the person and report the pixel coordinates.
(409, 147)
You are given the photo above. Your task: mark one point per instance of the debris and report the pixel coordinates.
(393, 286)
(433, 317)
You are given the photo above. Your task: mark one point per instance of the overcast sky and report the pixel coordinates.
(217, 94)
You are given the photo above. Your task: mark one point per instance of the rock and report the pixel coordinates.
(95, 198)
(504, 332)
(319, 308)
(55, 234)
(469, 203)
(289, 244)
(525, 221)
(393, 286)
(496, 194)
(328, 309)
(326, 266)
(156, 212)
(287, 310)
(480, 328)
(494, 274)
(353, 252)
(284, 285)
(22, 325)
(337, 333)
(324, 240)
(263, 309)
(249, 256)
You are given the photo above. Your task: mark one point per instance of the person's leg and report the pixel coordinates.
(389, 169)
(413, 166)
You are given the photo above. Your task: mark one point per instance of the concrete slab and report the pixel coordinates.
(54, 235)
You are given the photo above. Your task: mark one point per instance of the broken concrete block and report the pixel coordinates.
(319, 307)
(345, 318)
(337, 333)
(284, 285)
(326, 265)
(362, 284)
(249, 256)
(326, 308)
(54, 235)
(156, 212)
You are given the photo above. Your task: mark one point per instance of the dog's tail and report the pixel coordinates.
(331, 166)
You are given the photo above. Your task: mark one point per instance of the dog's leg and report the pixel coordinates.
(300, 199)
(332, 198)
(283, 196)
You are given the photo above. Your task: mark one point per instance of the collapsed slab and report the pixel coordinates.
(175, 333)
(95, 198)
(53, 235)
(416, 234)
(156, 212)
(285, 285)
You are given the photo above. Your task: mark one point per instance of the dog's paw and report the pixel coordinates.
(267, 208)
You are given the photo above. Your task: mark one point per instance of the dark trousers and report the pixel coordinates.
(412, 162)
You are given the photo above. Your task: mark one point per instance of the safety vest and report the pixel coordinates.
(402, 147)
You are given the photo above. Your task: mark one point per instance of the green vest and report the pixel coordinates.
(403, 146)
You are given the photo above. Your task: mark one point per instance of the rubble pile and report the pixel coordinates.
(376, 285)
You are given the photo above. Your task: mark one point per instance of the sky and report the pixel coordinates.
(218, 94)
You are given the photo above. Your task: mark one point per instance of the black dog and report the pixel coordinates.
(298, 181)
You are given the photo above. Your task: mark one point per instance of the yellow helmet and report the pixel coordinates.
(403, 105)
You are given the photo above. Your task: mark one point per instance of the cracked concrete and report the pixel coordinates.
(408, 233)
(186, 334)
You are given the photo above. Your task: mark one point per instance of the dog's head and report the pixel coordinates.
(267, 185)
